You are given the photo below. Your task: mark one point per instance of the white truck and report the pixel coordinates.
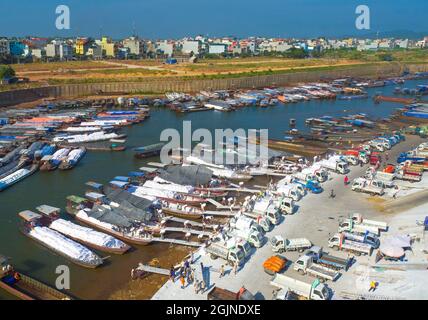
(338, 242)
(239, 243)
(254, 238)
(318, 171)
(335, 166)
(242, 222)
(221, 250)
(359, 220)
(280, 244)
(265, 207)
(289, 191)
(364, 185)
(369, 238)
(306, 265)
(386, 177)
(350, 225)
(310, 291)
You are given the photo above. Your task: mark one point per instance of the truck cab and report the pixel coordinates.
(286, 205)
(236, 255)
(343, 167)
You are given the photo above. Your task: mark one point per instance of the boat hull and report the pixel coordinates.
(78, 262)
(118, 235)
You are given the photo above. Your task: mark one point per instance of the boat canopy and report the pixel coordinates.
(48, 210)
(121, 178)
(150, 148)
(193, 175)
(119, 184)
(29, 216)
(136, 174)
(133, 206)
(94, 185)
(109, 216)
(77, 199)
(94, 196)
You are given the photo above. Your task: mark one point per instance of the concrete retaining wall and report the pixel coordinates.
(195, 85)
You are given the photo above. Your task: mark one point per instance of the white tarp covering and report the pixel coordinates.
(60, 154)
(168, 187)
(68, 247)
(86, 234)
(92, 137)
(400, 241)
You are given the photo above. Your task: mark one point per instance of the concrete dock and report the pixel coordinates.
(316, 219)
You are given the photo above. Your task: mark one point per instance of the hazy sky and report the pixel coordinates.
(173, 18)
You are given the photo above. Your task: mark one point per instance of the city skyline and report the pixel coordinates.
(149, 19)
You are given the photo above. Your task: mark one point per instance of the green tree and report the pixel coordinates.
(6, 72)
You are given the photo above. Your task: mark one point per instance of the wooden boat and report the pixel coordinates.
(74, 207)
(181, 211)
(149, 151)
(53, 214)
(72, 159)
(30, 220)
(24, 287)
(17, 176)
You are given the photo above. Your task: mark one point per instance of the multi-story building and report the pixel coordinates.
(190, 46)
(4, 47)
(82, 45)
(135, 46)
(109, 48)
(166, 47)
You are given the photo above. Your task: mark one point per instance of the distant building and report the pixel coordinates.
(217, 48)
(4, 47)
(134, 45)
(191, 46)
(95, 51)
(37, 54)
(59, 49)
(82, 46)
(165, 47)
(109, 48)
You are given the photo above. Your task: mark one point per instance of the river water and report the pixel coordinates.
(53, 187)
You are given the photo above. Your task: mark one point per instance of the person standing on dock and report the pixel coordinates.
(222, 271)
(182, 281)
(172, 274)
(346, 180)
(196, 286)
(235, 268)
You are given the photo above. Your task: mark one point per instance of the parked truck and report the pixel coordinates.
(317, 171)
(312, 185)
(334, 166)
(306, 265)
(242, 222)
(230, 255)
(350, 225)
(289, 191)
(363, 185)
(380, 225)
(339, 242)
(368, 237)
(254, 238)
(328, 260)
(280, 244)
(310, 291)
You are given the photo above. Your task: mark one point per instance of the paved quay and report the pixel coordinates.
(316, 219)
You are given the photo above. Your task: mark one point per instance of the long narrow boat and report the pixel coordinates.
(76, 207)
(24, 287)
(181, 211)
(17, 176)
(72, 158)
(34, 227)
(89, 237)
